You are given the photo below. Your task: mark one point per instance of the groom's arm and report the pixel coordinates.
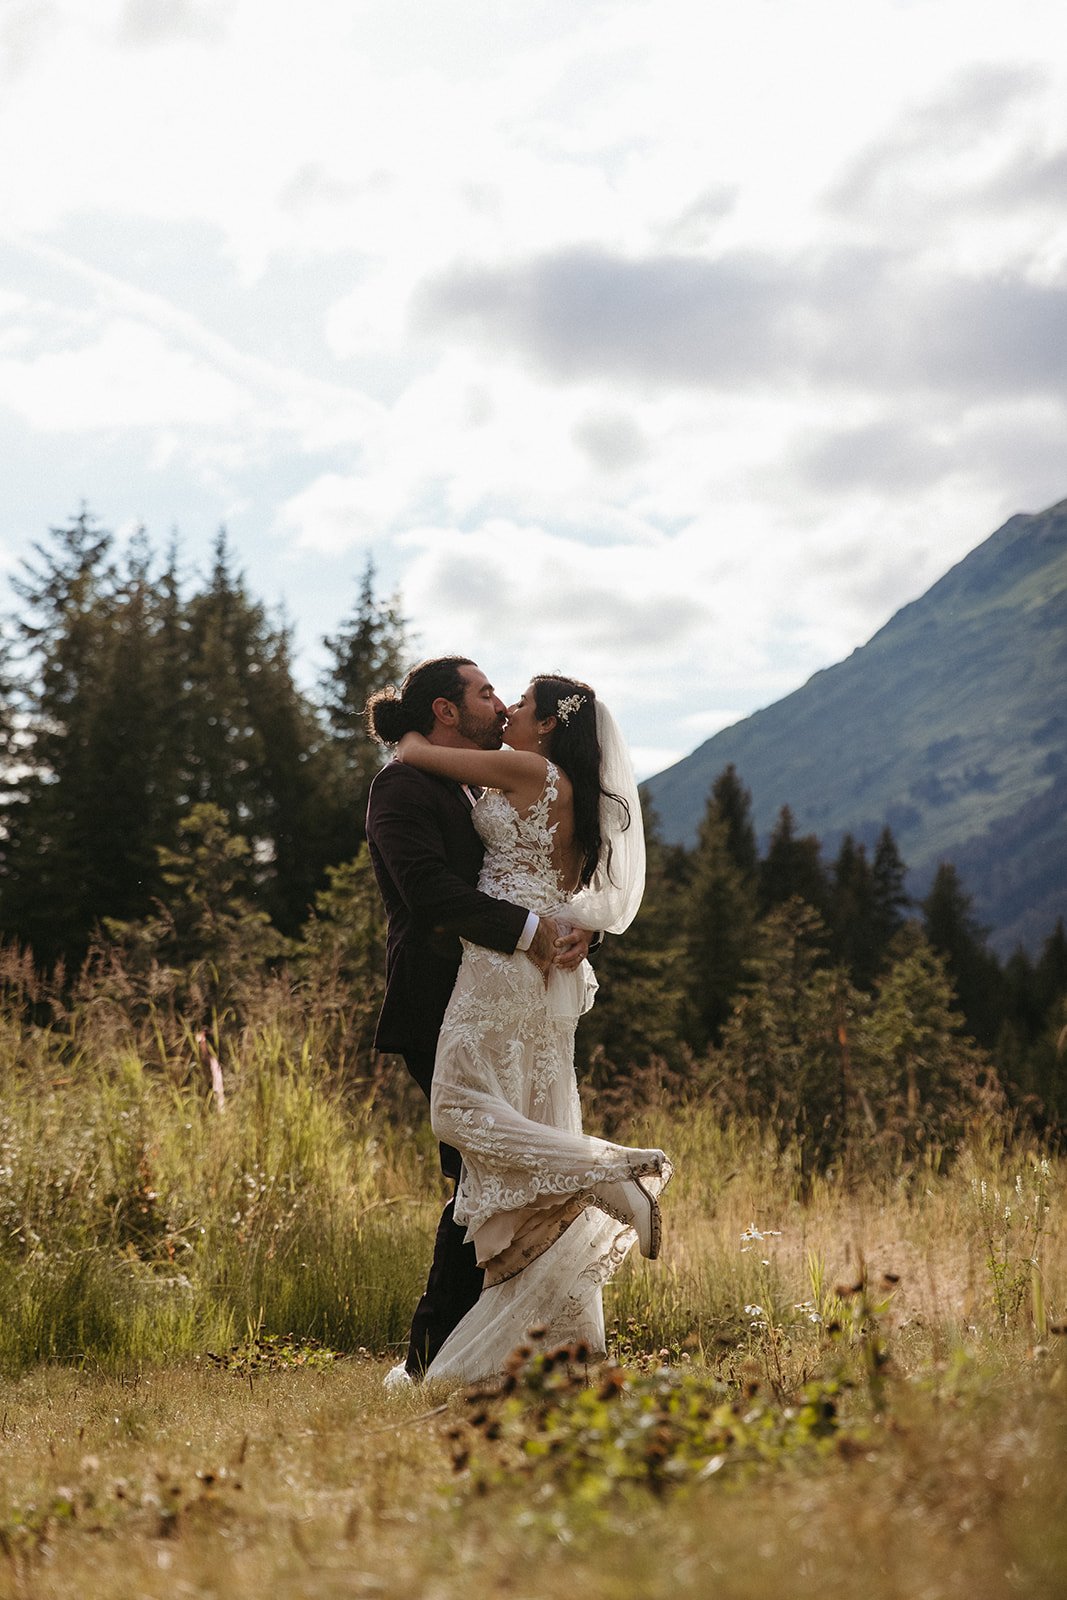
(406, 829)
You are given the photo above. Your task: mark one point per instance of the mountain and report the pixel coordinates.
(950, 725)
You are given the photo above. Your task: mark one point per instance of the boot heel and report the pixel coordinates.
(630, 1202)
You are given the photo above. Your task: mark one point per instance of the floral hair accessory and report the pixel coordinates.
(567, 707)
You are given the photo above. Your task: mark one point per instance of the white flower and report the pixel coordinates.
(753, 1235)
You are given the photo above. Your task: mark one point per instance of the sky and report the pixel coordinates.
(673, 345)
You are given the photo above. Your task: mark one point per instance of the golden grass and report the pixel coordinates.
(313, 1484)
(299, 1484)
(141, 1229)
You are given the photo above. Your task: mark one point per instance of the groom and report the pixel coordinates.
(426, 857)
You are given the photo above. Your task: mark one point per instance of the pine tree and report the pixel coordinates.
(953, 931)
(734, 805)
(792, 868)
(130, 706)
(1050, 975)
(369, 651)
(254, 745)
(891, 899)
(62, 636)
(787, 1050)
(852, 914)
(340, 959)
(1023, 1002)
(718, 928)
(637, 1017)
(1031, 1048)
(9, 741)
(133, 803)
(206, 929)
(927, 1077)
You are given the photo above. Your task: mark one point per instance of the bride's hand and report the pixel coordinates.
(572, 947)
(409, 744)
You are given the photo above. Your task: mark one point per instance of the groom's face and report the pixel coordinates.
(482, 713)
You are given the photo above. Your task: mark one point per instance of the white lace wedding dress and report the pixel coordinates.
(505, 1095)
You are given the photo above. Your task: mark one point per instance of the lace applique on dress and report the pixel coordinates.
(519, 864)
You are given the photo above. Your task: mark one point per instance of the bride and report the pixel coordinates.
(552, 1212)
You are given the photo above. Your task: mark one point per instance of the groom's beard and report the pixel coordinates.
(483, 733)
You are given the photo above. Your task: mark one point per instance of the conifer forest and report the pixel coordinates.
(178, 807)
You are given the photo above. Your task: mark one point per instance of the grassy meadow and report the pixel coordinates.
(853, 1383)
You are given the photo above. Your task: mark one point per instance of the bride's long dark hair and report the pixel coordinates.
(575, 746)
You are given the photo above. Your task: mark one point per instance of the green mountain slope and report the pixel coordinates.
(950, 725)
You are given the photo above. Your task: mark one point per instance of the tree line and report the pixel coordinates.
(819, 994)
(131, 696)
(171, 793)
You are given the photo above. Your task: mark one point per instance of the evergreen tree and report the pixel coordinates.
(734, 805)
(1047, 1070)
(851, 912)
(718, 928)
(63, 632)
(254, 746)
(787, 1049)
(792, 868)
(206, 930)
(130, 706)
(923, 1073)
(369, 651)
(952, 931)
(637, 1017)
(340, 960)
(891, 899)
(1031, 1050)
(171, 648)
(1022, 1000)
(9, 743)
(132, 800)
(1050, 976)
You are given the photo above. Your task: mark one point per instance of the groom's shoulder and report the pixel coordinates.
(397, 781)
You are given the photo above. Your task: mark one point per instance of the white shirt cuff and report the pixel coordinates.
(526, 937)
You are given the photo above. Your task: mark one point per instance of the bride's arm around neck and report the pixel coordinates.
(518, 774)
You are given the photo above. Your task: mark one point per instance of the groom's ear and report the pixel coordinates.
(445, 711)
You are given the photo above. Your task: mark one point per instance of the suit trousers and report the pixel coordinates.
(455, 1278)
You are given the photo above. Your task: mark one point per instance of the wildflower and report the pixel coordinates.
(753, 1235)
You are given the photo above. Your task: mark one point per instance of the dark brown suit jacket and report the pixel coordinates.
(426, 857)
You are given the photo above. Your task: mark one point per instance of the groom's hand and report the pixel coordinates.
(572, 947)
(542, 949)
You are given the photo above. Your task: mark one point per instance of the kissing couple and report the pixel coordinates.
(506, 841)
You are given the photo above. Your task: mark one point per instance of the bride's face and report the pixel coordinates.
(521, 731)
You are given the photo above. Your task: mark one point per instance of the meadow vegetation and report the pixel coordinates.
(846, 1375)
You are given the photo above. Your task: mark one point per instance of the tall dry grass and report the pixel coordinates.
(142, 1227)
(141, 1221)
(138, 1220)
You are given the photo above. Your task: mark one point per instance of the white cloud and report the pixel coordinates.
(331, 516)
(156, 22)
(533, 602)
(125, 377)
(671, 344)
(648, 759)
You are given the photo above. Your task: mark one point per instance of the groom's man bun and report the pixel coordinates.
(392, 712)
(385, 716)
